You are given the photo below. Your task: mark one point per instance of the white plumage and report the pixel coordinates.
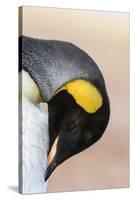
(34, 142)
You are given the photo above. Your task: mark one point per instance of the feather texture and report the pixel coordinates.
(33, 146)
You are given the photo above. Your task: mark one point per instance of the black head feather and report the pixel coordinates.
(77, 129)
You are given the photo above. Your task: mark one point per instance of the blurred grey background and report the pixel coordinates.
(105, 37)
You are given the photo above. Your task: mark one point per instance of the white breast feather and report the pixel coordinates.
(34, 145)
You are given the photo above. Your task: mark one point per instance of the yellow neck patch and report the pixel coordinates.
(85, 94)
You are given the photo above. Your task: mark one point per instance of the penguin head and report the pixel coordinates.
(78, 116)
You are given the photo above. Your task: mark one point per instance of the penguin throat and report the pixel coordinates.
(85, 94)
(30, 90)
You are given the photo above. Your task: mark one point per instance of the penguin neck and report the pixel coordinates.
(30, 90)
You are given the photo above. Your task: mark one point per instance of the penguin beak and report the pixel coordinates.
(51, 159)
(50, 169)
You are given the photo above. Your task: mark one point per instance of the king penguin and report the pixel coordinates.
(70, 82)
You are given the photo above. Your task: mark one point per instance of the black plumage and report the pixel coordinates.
(77, 129)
